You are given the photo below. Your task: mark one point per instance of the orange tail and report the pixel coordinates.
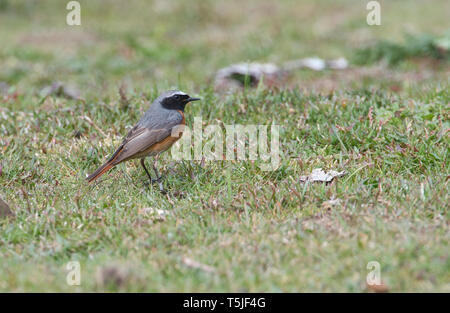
(105, 167)
(99, 172)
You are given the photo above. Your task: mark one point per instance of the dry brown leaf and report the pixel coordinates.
(318, 175)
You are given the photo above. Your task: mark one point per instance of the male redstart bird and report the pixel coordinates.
(159, 128)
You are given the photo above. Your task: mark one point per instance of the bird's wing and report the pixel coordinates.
(140, 138)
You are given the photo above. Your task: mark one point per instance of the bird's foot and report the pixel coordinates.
(158, 180)
(147, 183)
(163, 191)
(161, 188)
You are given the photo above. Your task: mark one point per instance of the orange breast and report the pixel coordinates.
(183, 121)
(163, 145)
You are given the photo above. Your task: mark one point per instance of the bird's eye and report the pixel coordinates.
(177, 97)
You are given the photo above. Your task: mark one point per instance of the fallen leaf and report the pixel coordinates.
(318, 175)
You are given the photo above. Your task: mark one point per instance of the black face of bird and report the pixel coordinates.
(177, 101)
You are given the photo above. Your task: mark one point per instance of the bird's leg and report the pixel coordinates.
(158, 178)
(148, 174)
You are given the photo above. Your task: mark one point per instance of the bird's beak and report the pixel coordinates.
(193, 99)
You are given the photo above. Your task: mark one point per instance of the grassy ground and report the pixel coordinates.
(242, 229)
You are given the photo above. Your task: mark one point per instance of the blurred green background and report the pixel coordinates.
(168, 43)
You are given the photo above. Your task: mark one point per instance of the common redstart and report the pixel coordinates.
(157, 131)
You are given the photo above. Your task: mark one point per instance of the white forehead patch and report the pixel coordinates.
(172, 93)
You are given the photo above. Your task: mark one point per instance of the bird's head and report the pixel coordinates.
(175, 99)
